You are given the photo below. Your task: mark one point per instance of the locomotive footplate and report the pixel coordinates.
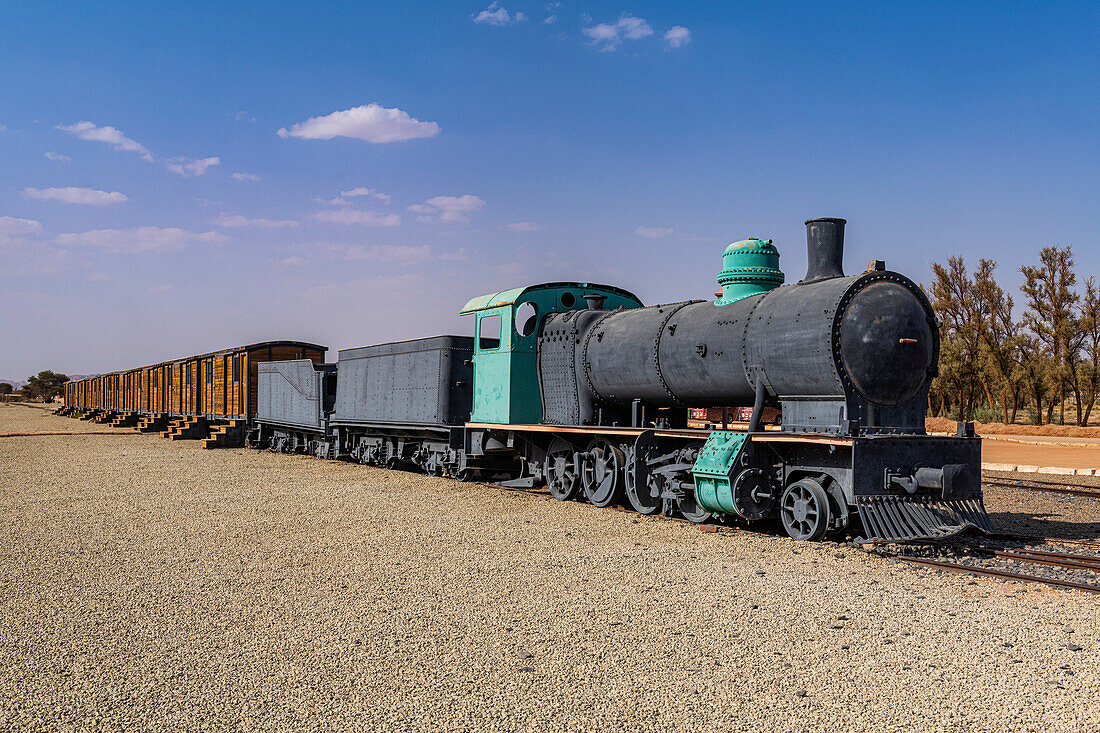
(890, 518)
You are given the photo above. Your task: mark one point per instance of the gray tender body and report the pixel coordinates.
(293, 393)
(422, 382)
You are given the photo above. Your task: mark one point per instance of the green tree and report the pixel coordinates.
(45, 386)
(5, 388)
(1089, 324)
(1000, 348)
(1050, 315)
(954, 300)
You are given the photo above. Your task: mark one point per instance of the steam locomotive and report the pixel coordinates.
(578, 387)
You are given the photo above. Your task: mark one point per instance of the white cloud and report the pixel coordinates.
(496, 15)
(288, 262)
(451, 209)
(51, 155)
(654, 232)
(550, 20)
(373, 123)
(389, 253)
(74, 195)
(236, 220)
(677, 36)
(361, 191)
(456, 256)
(140, 239)
(243, 116)
(10, 225)
(191, 166)
(608, 36)
(244, 176)
(524, 226)
(353, 216)
(111, 135)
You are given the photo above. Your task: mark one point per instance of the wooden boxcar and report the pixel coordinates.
(217, 385)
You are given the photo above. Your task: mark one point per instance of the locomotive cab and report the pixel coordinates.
(506, 329)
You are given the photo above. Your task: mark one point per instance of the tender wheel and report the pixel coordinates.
(602, 475)
(804, 509)
(560, 473)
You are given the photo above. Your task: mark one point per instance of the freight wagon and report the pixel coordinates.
(208, 396)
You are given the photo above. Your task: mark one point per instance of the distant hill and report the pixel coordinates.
(17, 384)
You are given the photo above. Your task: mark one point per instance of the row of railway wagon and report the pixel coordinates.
(580, 388)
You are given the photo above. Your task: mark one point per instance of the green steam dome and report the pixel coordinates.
(749, 267)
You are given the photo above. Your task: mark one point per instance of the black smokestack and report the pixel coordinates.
(825, 244)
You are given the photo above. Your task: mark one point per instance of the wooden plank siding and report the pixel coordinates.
(220, 384)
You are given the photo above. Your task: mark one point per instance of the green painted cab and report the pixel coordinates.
(506, 328)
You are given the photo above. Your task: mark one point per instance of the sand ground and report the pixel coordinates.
(153, 585)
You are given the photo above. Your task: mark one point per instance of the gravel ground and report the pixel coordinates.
(1044, 514)
(150, 585)
(17, 417)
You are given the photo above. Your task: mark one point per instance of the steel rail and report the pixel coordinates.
(951, 567)
(1012, 537)
(1048, 553)
(1051, 558)
(1050, 487)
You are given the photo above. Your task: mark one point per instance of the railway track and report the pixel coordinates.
(1052, 487)
(952, 567)
(1018, 559)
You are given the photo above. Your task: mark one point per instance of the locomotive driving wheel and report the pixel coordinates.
(643, 489)
(689, 509)
(602, 474)
(804, 509)
(560, 473)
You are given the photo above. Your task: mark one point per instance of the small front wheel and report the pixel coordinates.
(804, 510)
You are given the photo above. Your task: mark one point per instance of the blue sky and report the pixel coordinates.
(625, 143)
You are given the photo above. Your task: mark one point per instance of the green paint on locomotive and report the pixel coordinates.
(749, 267)
(506, 328)
(714, 469)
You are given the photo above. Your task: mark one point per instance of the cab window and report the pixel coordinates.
(488, 332)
